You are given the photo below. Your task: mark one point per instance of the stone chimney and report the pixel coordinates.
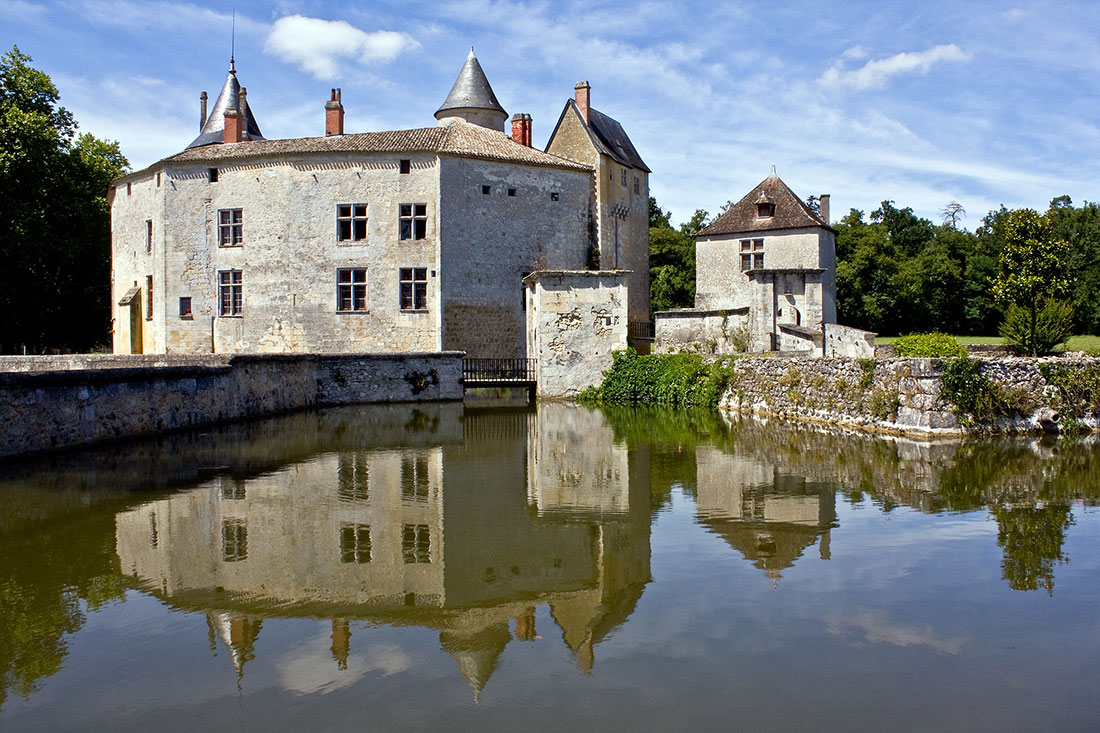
(334, 115)
(823, 207)
(521, 129)
(234, 119)
(202, 112)
(583, 99)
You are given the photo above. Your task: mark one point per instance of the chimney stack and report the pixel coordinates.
(823, 207)
(334, 114)
(583, 99)
(521, 129)
(202, 113)
(234, 119)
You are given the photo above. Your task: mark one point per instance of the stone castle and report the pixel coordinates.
(401, 241)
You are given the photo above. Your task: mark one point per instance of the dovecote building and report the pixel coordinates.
(407, 240)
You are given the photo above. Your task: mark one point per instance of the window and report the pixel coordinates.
(158, 179)
(511, 192)
(352, 476)
(148, 235)
(185, 307)
(486, 190)
(230, 292)
(416, 542)
(234, 540)
(414, 288)
(414, 478)
(637, 184)
(351, 222)
(230, 227)
(129, 189)
(351, 289)
(404, 166)
(212, 175)
(752, 254)
(149, 299)
(554, 196)
(765, 210)
(233, 489)
(624, 176)
(355, 543)
(414, 221)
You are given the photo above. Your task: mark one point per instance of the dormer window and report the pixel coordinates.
(765, 210)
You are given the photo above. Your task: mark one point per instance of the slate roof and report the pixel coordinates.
(607, 135)
(471, 89)
(213, 131)
(790, 212)
(458, 138)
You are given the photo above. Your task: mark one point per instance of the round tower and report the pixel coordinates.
(472, 99)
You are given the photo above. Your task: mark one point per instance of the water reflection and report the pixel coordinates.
(469, 522)
(467, 537)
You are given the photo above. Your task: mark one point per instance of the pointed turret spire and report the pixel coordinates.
(472, 99)
(213, 129)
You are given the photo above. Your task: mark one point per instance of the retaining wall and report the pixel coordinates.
(71, 404)
(902, 395)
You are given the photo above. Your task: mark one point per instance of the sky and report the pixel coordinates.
(921, 103)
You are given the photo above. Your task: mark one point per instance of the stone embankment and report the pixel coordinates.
(57, 402)
(906, 395)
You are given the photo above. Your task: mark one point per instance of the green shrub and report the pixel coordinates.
(867, 378)
(939, 345)
(976, 397)
(1053, 326)
(669, 379)
(1078, 389)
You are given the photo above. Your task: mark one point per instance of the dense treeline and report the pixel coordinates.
(55, 238)
(898, 273)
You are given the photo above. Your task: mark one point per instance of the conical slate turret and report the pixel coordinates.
(472, 99)
(214, 129)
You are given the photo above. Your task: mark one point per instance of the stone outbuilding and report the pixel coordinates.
(396, 241)
(765, 281)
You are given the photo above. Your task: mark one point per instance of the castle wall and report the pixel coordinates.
(490, 241)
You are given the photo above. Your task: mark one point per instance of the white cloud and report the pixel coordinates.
(874, 74)
(877, 628)
(319, 46)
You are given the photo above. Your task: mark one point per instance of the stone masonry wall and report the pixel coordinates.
(44, 410)
(899, 395)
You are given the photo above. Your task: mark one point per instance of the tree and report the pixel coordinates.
(671, 259)
(1033, 266)
(951, 213)
(54, 218)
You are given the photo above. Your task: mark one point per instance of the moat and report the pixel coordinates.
(436, 566)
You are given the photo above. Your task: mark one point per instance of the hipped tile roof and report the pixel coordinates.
(790, 212)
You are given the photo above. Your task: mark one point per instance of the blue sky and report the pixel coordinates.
(921, 103)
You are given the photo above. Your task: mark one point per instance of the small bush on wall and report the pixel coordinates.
(936, 345)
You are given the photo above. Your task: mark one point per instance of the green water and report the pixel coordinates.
(441, 567)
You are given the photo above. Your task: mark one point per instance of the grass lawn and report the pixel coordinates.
(1075, 343)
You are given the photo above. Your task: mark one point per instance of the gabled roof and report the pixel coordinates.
(790, 212)
(607, 135)
(213, 131)
(461, 139)
(471, 89)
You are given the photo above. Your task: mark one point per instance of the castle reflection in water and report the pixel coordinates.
(458, 521)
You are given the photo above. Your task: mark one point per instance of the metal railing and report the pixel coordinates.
(498, 370)
(645, 330)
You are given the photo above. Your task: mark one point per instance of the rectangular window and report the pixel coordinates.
(486, 190)
(637, 184)
(554, 196)
(149, 298)
(158, 179)
(355, 543)
(351, 222)
(185, 307)
(416, 543)
(752, 254)
(230, 292)
(414, 288)
(129, 189)
(511, 192)
(233, 489)
(230, 227)
(148, 235)
(414, 478)
(234, 540)
(413, 221)
(351, 289)
(212, 175)
(624, 177)
(404, 166)
(352, 478)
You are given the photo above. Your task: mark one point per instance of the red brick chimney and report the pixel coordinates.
(583, 98)
(234, 120)
(521, 129)
(334, 115)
